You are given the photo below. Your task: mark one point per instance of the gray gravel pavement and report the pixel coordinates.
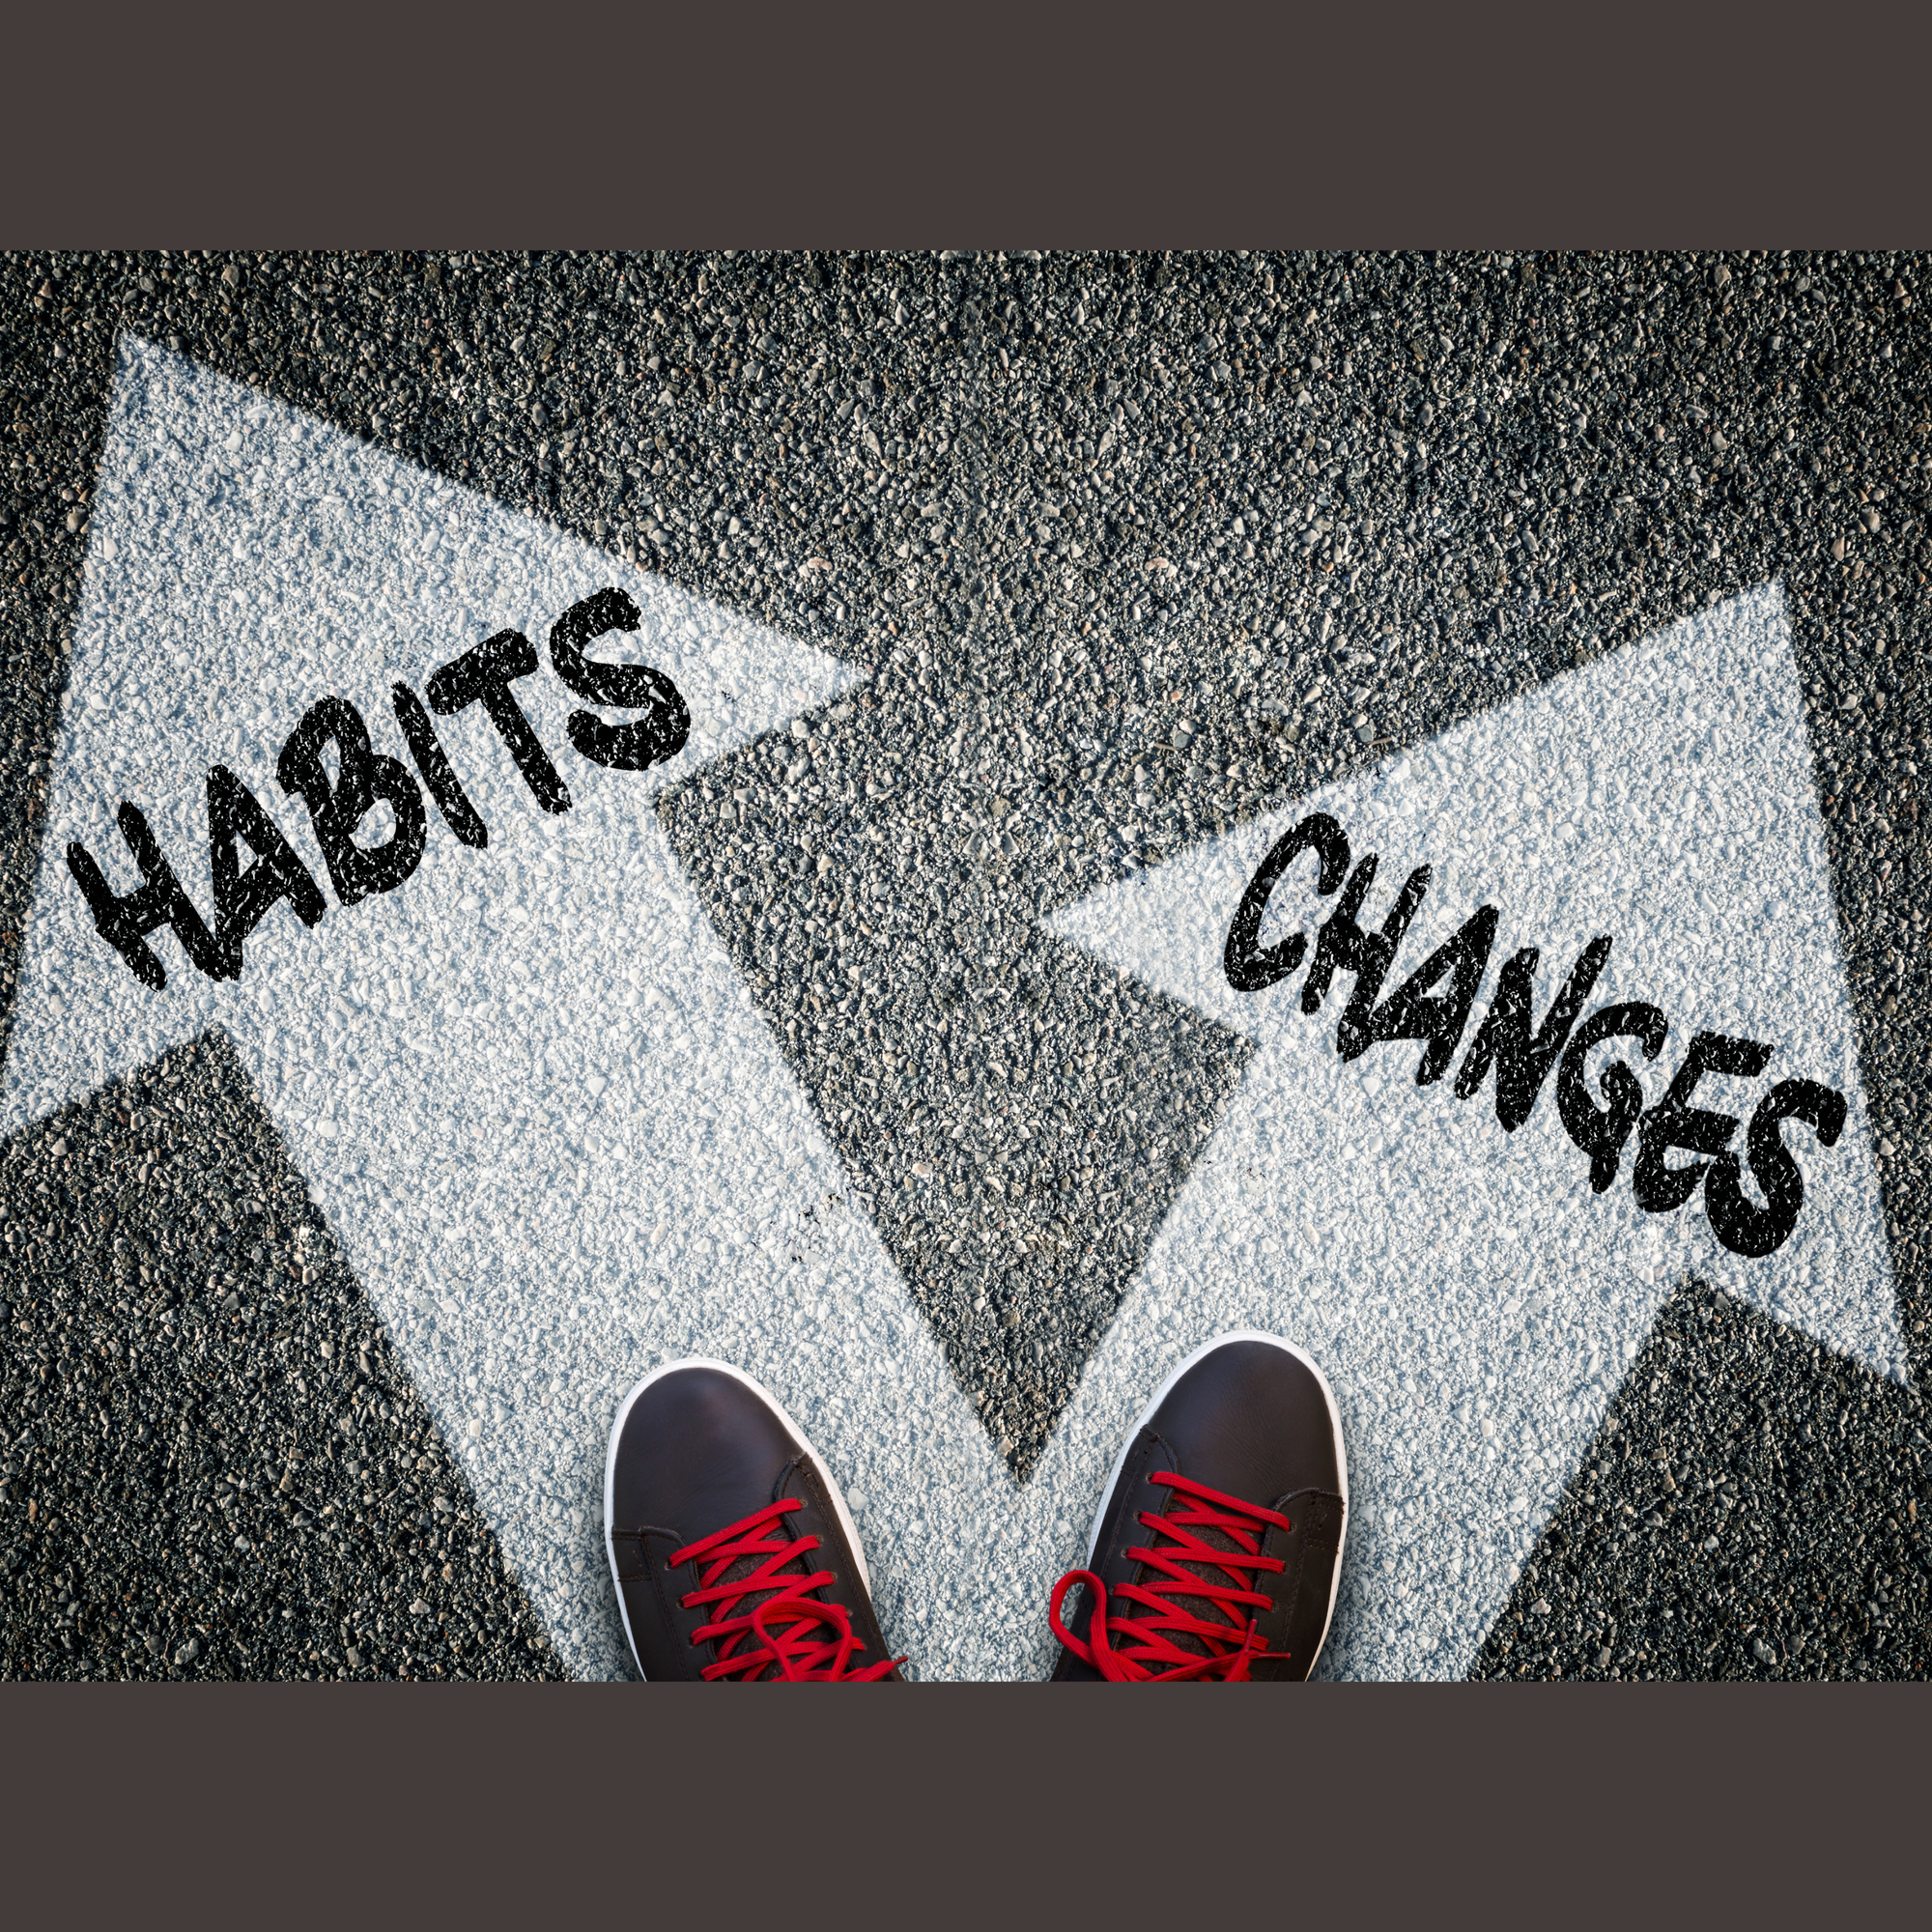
(1135, 549)
(1727, 1524)
(220, 1469)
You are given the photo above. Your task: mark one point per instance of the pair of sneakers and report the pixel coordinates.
(1215, 1551)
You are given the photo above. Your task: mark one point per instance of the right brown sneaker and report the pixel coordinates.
(732, 1551)
(1218, 1543)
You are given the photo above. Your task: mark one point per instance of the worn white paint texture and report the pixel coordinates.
(1474, 1304)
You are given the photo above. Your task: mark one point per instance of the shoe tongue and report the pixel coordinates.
(1204, 1607)
(800, 1566)
(774, 1580)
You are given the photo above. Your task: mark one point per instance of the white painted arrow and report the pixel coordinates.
(527, 1086)
(1473, 1301)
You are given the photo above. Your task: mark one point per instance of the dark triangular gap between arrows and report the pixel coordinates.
(1016, 1117)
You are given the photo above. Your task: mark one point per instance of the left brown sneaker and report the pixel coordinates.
(734, 1552)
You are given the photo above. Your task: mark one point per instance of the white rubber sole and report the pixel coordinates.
(1160, 1396)
(772, 1403)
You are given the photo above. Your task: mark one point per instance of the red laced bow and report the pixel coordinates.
(792, 1635)
(1131, 1638)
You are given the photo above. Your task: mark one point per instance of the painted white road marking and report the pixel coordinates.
(558, 1144)
(1474, 1303)
(527, 1086)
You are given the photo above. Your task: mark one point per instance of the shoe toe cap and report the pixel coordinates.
(1252, 1417)
(697, 1449)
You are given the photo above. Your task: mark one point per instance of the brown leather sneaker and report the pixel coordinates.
(732, 1551)
(1218, 1543)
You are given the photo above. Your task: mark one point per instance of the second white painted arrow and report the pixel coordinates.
(1474, 1299)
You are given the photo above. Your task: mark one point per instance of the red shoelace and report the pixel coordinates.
(791, 1636)
(1131, 1637)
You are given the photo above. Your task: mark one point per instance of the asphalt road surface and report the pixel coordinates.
(1117, 555)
